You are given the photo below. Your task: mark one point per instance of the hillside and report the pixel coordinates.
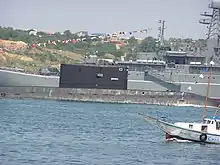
(32, 49)
(80, 42)
(19, 54)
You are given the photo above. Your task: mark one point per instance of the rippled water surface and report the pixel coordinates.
(51, 132)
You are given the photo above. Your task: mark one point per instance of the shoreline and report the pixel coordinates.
(110, 102)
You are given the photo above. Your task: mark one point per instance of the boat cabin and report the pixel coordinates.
(209, 125)
(213, 122)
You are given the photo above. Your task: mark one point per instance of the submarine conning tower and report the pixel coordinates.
(212, 20)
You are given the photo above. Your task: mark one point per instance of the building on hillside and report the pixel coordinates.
(82, 33)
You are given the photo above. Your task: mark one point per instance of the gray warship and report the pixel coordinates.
(181, 70)
(167, 70)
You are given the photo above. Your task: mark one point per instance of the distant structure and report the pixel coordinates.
(212, 20)
(160, 41)
(161, 29)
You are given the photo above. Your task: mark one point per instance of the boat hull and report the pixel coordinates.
(173, 131)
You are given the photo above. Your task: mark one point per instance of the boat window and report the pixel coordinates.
(204, 128)
(212, 122)
(218, 125)
(208, 121)
(191, 126)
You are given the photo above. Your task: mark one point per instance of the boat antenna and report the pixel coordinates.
(207, 89)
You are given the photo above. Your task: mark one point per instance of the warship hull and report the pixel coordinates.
(199, 89)
(135, 82)
(12, 78)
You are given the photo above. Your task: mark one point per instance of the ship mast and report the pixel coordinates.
(161, 29)
(212, 20)
(160, 39)
(207, 89)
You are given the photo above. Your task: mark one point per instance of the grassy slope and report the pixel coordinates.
(18, 54)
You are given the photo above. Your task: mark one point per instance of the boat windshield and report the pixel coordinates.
(207, 121)
(204, 121)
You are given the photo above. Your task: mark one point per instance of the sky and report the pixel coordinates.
(106, 16)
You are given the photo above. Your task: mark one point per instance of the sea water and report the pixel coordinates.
(52, 132)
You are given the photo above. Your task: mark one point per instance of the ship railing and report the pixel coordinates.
(12, 69)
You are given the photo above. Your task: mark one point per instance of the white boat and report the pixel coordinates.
(208, 131)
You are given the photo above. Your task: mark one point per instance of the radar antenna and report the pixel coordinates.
(212, 20)
(161, 29)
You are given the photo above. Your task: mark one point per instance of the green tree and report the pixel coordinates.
(148, 45)
(118, 53)
(100, 54)
(132, 41)
(68, 34)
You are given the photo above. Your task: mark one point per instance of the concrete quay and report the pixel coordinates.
(105, 95)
